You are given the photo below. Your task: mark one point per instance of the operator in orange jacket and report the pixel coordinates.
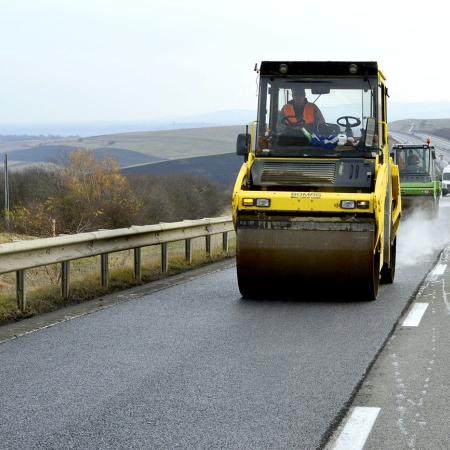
(299, 107)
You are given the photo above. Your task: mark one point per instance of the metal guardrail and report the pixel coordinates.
(22, 255)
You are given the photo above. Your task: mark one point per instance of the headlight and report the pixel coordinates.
(352, 204)
(348, 204)
(262, 202)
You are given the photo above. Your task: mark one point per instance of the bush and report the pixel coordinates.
(83, 193)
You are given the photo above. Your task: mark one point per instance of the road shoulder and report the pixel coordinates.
(35, 323)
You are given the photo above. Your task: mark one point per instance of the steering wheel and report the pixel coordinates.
(300, 121)
(348, 125)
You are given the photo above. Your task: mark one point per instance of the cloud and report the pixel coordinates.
(115, 60)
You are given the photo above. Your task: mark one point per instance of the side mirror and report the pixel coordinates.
(370, 131)
(242, 144)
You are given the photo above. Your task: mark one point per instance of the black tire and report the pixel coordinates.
(376, 275)
(388, 270)
(370, 291)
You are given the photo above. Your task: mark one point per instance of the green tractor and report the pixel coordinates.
(420, 178)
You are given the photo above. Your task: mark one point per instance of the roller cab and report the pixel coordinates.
(316, 204)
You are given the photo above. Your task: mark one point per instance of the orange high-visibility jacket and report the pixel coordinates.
(308, 112)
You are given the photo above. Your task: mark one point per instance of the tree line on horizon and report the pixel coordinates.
(83, 193)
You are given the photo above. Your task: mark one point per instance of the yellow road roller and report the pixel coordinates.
(316, 204)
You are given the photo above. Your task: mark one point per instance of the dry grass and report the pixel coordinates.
(43, 284)
(11, 237)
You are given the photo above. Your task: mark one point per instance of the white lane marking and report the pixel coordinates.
(439, 269)
(357, 429)
(415, 315)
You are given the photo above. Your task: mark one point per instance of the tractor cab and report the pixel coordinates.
(415, 160)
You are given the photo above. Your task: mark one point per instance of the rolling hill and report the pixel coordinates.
(209, 151)
(204, 151)
(129, 149)
(222, 168)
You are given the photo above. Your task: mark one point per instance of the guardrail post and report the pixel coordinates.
(208, 240)
(188, 250)
(20, 290)
(65, 279)
(225, 241)
(104, 269)
(137, 263)
(164, 259)
(208, 244)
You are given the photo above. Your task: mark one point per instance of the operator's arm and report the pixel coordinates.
(281, 126)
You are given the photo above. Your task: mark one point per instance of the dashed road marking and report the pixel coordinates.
(439, 269)
(415, 315)
(357, 429)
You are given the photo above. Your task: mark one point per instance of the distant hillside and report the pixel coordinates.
(128, 148)
(222, 169)
(216, 119)
(435, 127)
(53, 153)
(396, 111)
(155, 149)
(419, 124)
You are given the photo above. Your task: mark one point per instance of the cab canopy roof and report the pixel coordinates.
(412, 146)
(324, 68)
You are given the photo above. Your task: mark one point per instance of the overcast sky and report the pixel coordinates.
(84, 60)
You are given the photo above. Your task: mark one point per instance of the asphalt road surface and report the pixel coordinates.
(195, 366)
(407, 391)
